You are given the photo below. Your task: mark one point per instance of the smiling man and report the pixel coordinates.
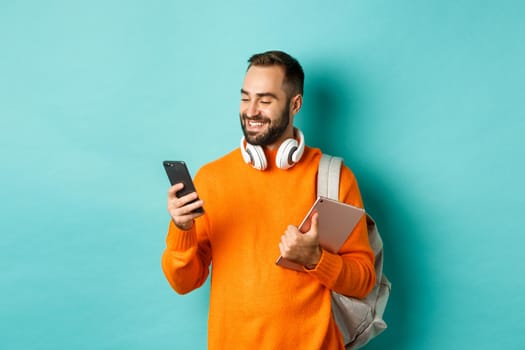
(266, 103)
(253, 198)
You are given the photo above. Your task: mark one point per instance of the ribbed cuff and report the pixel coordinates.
(328, 268)
(180, 240)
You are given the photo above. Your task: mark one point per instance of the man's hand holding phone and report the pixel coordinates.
(184, 204)
(184, 209)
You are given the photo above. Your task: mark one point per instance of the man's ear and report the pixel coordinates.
(296, 103)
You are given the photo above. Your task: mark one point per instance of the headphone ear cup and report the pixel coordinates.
(253, 155)
(290, 152)
(245, 155)
(284, 156)
(257, 156)
(298, 153)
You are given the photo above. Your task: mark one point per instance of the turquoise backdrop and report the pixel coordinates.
(423, 99)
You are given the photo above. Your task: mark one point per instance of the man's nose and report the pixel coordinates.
(252, 109)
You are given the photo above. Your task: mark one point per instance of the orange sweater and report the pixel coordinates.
(253, 302)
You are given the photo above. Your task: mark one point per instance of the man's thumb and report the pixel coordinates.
(314, 224)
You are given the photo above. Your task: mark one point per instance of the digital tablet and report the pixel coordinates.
(336, 222)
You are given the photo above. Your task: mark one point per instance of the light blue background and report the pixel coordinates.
(423, 99)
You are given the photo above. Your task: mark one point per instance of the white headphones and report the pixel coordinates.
(289, 153)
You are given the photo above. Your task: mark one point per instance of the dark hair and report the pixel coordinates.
(293, 72)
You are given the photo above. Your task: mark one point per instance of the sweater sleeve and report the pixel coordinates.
(351, 271)
(187, 257)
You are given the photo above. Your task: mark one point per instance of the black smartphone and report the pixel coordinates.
(178, 172)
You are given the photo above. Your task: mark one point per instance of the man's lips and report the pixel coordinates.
(255, 124)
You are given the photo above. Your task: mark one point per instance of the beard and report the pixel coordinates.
(274, 132)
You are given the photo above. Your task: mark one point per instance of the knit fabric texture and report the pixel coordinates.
(255, 303)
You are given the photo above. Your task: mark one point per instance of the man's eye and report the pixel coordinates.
(266, 102)
(243, 99)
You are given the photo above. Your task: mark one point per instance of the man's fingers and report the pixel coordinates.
(174, 189)
(182, 208)
(188, 209)
(178, 202)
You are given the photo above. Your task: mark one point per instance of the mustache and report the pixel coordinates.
(257, 118)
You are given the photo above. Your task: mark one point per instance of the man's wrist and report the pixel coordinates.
(316, 260)
(186, 227)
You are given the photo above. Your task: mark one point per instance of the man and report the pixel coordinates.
(250, 212)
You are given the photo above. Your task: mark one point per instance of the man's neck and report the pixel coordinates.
(285, 136)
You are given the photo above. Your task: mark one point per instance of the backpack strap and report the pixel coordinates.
(359, 320)
(328, 176)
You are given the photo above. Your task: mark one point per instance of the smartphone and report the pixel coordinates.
(178, 172)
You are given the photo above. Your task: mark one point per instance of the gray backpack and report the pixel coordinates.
(359, 320)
